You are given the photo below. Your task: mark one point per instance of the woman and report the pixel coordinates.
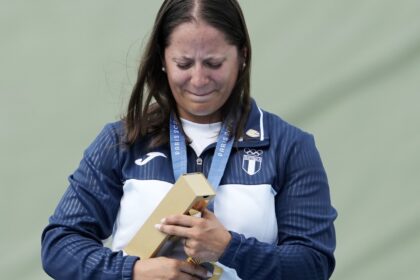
(272, 213)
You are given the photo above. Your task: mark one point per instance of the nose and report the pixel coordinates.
(199, 77)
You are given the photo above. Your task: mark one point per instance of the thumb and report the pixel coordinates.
(207, 214)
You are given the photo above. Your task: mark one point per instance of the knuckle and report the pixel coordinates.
(174, 264)
(168, 229)
(194, 244)
(169, 220)
(193, 252)
(199, 237)
(172, 218)
(195, 234)
(201, 223)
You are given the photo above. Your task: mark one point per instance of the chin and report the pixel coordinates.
(202, 115)
(200, 110)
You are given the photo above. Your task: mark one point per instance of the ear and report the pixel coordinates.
(244, 53)
(243, 56)
(162, 60)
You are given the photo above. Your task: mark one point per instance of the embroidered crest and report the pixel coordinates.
(251, 161)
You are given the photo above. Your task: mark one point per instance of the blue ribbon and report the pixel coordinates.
(220, 158)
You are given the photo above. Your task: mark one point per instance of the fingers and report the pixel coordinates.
(200, 205)
(179, 225)
(180, 220)
(208, 214)
(192, 248)
(191, 244)
(205, 238)
(175, 230)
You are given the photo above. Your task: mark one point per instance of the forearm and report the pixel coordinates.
(258, 260)
(69, 255)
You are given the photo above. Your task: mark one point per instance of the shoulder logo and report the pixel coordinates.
(149, 157)
(251, 161)
(252, 133)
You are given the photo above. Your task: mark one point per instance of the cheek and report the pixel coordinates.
(226, 80)
(176, 80)
(232, 71)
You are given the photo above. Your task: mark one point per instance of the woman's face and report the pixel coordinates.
(202, 68)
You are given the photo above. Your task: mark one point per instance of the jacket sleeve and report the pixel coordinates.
(72, 242)
(306, 236)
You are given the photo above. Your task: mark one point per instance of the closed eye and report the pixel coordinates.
(209, 64)
(213, 65)
(184, 66)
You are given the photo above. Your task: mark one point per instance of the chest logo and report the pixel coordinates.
(251, 161)
(149, 157)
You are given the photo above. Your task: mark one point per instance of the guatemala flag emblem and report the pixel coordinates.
(251, 161)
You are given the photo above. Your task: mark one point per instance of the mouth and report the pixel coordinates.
(200, 97)
(200, 94)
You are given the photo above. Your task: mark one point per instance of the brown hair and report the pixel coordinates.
(147, 118)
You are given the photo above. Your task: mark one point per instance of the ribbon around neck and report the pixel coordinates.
(179, 153)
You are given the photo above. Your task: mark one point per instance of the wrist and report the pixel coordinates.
(231, 249)
(226, 241)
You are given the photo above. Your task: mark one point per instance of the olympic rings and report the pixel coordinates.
(253, 152)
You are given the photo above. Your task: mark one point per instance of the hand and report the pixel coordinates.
(205, 238)
(162, 268)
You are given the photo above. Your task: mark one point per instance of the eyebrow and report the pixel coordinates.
(219, 59)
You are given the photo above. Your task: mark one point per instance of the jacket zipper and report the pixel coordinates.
(199, 162)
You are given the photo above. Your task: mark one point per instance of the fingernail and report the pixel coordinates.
(209, 274)
(158, 226)
(163, 220)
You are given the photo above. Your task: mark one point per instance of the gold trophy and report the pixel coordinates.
(189, 195)
(189, 190)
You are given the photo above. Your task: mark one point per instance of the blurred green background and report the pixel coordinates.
(347, 71)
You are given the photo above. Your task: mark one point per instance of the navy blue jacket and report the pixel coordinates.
(276, 160)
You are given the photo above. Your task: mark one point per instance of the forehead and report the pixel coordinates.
(197, 36)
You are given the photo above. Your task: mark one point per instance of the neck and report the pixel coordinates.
(213, 118)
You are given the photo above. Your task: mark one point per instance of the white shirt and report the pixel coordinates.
(200, 134)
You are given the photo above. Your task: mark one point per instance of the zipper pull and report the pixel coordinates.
(199, 161)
